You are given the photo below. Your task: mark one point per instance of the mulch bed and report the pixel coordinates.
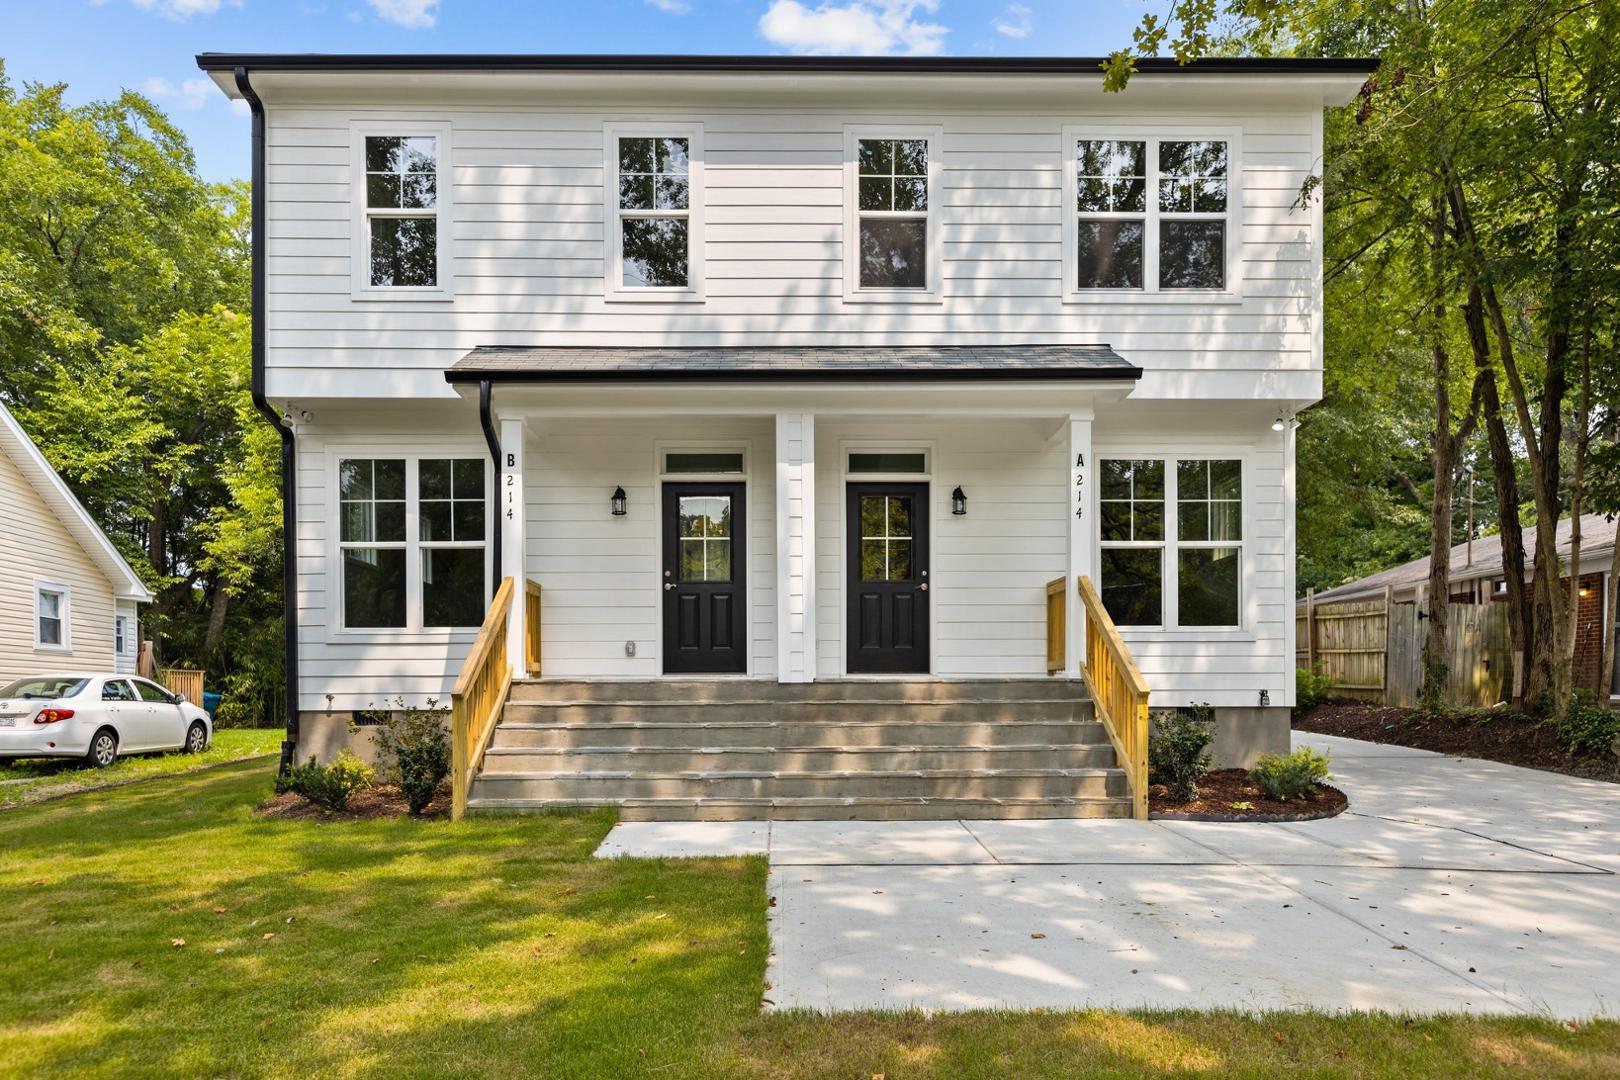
(1219, 789)
(1492, 734)
(374, 802)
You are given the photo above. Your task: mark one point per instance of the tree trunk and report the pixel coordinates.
(1443, 464)
(1611, 640)
(217, 608)
(1577, 499)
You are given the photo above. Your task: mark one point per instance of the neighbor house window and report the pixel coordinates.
(412, 538)
(654, 203)
(894, 242)
(1148, 214)
(51, 616)
(1172, 541)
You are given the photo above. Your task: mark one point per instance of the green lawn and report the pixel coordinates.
(31, 780)
(498, 947)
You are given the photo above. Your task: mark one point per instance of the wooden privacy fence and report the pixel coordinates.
(186, 681)
(1373, 650)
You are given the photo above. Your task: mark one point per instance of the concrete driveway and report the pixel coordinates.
(1452, 885)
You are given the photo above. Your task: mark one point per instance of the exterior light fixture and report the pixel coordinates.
(1278, 424)
(958, 502)
(618, 502)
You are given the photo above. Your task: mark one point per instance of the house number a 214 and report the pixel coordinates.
(1079, 485)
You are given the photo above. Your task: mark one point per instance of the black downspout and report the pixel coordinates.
(488, 424)
(289, 449)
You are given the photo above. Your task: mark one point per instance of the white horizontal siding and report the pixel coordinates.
(528, 227)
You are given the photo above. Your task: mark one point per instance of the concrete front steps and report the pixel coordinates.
(743, 750)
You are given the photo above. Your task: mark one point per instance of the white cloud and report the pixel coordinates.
(860, 27)
(240, 107)
(672, 7)
(190, 94)
(1015, 22)
(180, 10)
(411, 14)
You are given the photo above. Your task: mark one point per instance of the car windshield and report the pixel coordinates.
(49, 686)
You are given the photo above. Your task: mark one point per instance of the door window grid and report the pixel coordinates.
(705, 538)
(1189, 561)
(886, 554)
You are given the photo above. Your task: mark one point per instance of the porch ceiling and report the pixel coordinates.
(505, 363)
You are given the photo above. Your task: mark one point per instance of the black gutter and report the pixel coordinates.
(487, 422)
(289, 449)
(607, 62)
(484, 378)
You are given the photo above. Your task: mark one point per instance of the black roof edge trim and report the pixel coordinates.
(1118, 374)
(583, 62)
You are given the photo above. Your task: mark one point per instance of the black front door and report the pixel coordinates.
(888, 578)
(705, 601)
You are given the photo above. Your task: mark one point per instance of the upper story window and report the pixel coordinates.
(654, 217)
(1149, 214)
(1172, 541)
(891, 177)
(401, 192)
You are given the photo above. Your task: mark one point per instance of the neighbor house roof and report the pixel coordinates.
(16, 445)
(1597, 548)
(608, 62)
(514, 363)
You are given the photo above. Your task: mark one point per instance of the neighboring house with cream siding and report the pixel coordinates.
(788, 371)
(68, 599)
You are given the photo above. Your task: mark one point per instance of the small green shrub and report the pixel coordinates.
(1290, 776)
(416, 747)
(1587, 729)
(327, 786)
(1311, 688)
(1176, 746)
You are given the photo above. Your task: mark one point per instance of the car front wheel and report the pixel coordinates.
(196, 739)
(103, 749)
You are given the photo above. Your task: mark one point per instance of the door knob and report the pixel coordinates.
(668, 586)
(923, 587)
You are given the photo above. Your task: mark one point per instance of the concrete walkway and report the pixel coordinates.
(1452, 885)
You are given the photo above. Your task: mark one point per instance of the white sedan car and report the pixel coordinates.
(97, 717)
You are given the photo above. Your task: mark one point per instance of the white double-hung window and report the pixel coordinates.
(52, 631)
(401, 197)
(653, 207)
(1172, 541)
(1150, 214)
(892, 247)
(412, 542)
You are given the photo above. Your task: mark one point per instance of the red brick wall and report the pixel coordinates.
(1589, 633)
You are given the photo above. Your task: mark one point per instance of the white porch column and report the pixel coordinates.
(1082, 551)
(509, 506)
(795, 547)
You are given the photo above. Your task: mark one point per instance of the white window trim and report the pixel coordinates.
(412, 545)
(1150, 291)
(934, 134)
(613, 288)
(1170, 594)
(360, 284)
(121, 635)
(65, 591)
(664, 448)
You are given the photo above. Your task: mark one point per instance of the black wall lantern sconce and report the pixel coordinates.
(958, 502)
(618, 502)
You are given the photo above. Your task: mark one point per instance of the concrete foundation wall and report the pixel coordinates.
(1243, 733)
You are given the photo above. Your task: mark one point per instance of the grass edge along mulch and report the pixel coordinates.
(170, 930)
(71, 778)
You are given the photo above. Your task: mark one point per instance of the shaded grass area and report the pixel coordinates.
(498, 947)
(29, 780)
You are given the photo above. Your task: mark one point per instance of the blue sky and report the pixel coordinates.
(99, 47)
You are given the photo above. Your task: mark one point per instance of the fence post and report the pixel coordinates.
(1310, 629)
(1389, 637)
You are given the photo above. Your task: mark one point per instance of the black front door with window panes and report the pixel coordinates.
(705, 599)
(888, 578)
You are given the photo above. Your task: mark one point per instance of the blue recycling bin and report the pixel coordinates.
(210, 702)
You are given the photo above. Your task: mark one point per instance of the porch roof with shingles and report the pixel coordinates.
(520, 363)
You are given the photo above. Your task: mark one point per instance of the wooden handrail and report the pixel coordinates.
(1119, 694)
(531, 626)
(1057, 633)
(478, 697)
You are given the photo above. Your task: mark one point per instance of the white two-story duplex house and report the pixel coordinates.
(794, 397)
